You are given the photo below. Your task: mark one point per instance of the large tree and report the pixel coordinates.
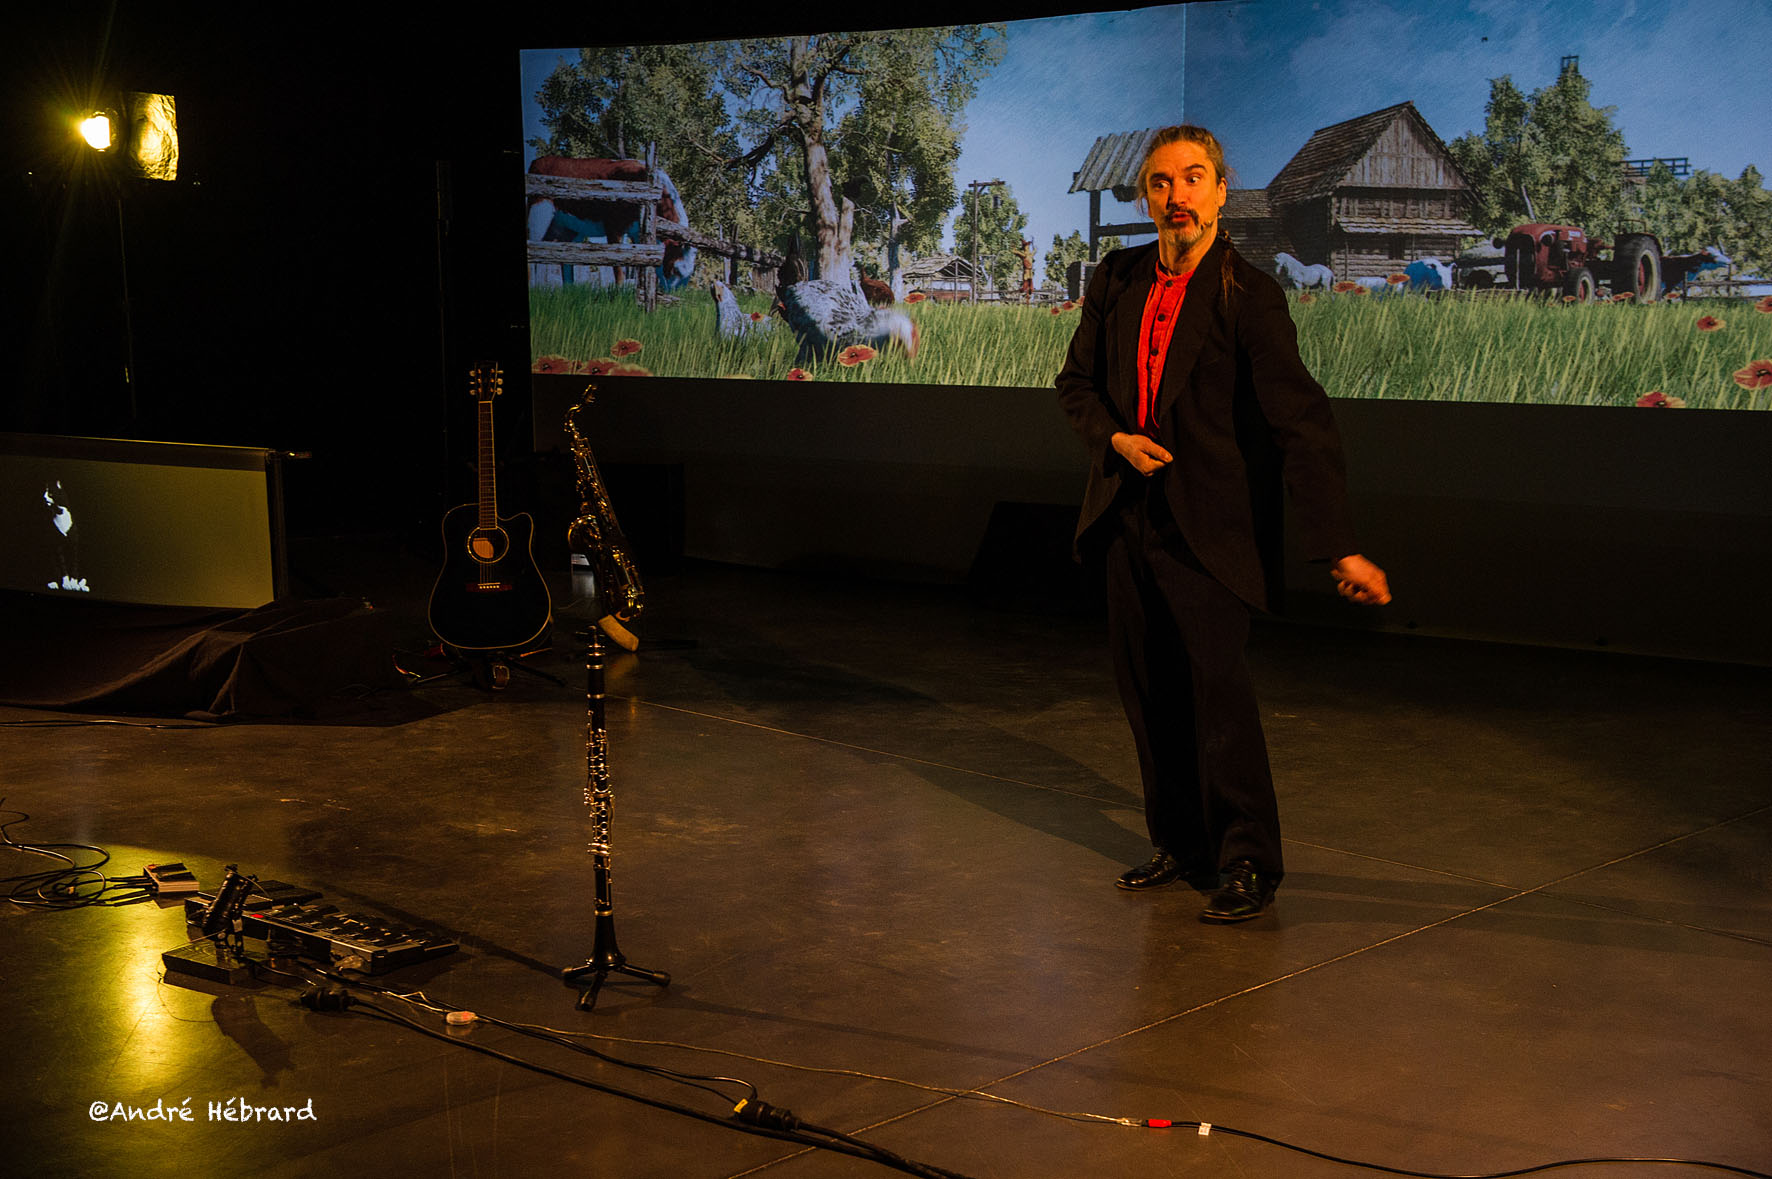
(862, 128)
(1552, 157)
(615, 102)
(1708, 209)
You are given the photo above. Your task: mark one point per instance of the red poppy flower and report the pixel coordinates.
(1673, 296)
(602, 366)
(1765, 304)
(1056, 310)
(799, 374)
(756, 316)
(1346, 285)
(1660, 400)
(1757, 375)
(855, 354)
(1708, 323)
(1306, 297)
(915, 297)
(625, 348)
(550, 364)
(1624, 296)
(1395, 279)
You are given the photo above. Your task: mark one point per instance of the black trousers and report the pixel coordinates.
(1178, 639)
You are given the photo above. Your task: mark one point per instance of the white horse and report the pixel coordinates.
(1301, 276)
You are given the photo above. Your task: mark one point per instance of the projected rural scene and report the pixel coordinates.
(1536, 208)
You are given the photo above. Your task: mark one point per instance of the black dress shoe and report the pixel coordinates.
(1246, 893)
(1159, 870)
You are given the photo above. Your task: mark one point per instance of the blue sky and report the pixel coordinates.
(1687, 78)
(1265, 74)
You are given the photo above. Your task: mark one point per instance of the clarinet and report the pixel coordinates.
(598, 799)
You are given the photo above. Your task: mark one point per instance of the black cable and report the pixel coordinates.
(563, 1040)
(803, 1136)
(1214, 1128)
(94, 722)
(750, 1111)
(73, 886)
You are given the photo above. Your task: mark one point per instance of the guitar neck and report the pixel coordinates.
(488, 468)
(487, 383)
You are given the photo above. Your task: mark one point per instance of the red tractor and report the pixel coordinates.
(1563, 258)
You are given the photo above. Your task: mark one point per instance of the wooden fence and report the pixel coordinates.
(1698, 288)
(646, 255)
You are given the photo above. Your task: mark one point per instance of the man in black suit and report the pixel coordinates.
(1185, 383)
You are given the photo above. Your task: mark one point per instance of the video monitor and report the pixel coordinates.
(147, 523)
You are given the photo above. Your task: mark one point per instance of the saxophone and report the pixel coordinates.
(597, 535)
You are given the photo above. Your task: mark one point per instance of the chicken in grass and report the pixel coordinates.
(732, 321)
(827, 315)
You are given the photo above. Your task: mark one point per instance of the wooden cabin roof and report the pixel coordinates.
(1389, 148)
(1113, 162)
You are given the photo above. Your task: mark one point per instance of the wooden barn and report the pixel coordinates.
(946, 278)
(1370, 195)
(1365, 196)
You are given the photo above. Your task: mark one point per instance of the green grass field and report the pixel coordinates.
(1446, 348)
(958, 344)
(1488, 348)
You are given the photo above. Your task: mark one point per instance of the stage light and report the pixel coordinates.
(153, 136)
(95, 129)
(146, 130)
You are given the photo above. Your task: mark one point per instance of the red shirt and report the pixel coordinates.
(1161, 307)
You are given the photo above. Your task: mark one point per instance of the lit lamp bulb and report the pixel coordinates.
(96, 130)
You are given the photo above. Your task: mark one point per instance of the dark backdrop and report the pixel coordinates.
(342, 246)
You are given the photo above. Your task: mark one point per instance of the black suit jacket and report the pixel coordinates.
(1236, 408)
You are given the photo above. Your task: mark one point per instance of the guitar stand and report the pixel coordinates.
(490, 670)
(606, 957)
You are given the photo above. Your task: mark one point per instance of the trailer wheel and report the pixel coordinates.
(1637, 267)
(1581, 285)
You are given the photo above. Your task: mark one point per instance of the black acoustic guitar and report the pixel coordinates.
(490, 595)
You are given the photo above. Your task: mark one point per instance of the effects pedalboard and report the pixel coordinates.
(289, 918)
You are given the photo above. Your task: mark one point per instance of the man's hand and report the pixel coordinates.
(1144, 454)
(1359, 580)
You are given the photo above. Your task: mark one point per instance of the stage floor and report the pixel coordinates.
(872, 832)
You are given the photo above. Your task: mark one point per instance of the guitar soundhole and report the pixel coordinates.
(488, 544)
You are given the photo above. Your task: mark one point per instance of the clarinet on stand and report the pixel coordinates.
(596, 534)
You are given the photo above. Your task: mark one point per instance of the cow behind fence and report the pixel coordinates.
(603, 212)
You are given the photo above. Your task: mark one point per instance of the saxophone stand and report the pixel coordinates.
(606, 957)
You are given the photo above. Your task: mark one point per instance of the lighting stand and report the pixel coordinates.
(606, 958)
